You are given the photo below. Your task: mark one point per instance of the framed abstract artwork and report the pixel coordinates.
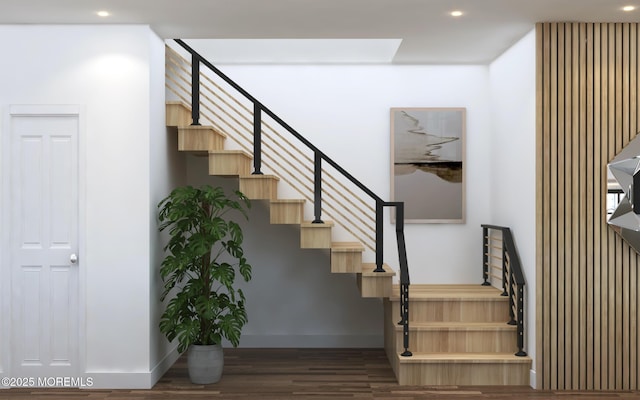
(427, 163)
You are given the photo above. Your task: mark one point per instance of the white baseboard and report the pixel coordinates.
(532, 379)
(311, 341)
(132, 380)
(118, 380)
(163, 366)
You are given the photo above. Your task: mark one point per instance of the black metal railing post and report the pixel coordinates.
(512, 302)
(404, 278)
(257, 138)
(485, 257)
(379, 236)
(521, 352)
(317, 188)
(513, 283)
(504, 267)
(195, 90)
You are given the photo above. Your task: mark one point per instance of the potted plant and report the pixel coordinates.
(204, 255)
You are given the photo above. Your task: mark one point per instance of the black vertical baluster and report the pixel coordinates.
(317, 188)
(405, 327)
(520, 302)
(504, 265)
(257, 139)
(379, 236)
(512, 299)
(485, 256)
(195, 90)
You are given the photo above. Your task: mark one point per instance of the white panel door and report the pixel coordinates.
(44, 240)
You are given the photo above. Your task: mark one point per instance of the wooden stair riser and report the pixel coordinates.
(315, 236)
(229, 163)
(177, 114)
(468, 310)
(259, 187)
(459, 341)
(346, 257)
(464, 373)
(375, 286)
(286, 211)
(199, 139)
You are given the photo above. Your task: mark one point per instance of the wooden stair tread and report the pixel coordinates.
(178, 103)
(346, 246)
(451, 292)
(288, 201)
(466, 358)
(202, 128)
(368, 270)
(259, 177)
(325, 224)
(464, 287)
(459, 326)
(242, 152)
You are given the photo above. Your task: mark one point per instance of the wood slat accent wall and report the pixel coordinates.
(587, 276)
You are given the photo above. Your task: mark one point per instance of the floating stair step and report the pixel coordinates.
(229, 163)
(315, 236)
(476, 369)
(375, 284)
(460, 337)
(468, 303)
(287, 211)
(200, 139)
(177, 113)
(257, 187)
(346, 257)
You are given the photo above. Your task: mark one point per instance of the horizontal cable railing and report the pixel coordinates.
(511, 277)
(292, 164)
(310, 172)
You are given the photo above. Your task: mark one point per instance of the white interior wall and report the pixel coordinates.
(167, 171)
(105, 70)
(513, 162)
(344, 110)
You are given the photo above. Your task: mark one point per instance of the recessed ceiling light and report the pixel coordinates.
(456, 13)
(103, 13)
(628, 8)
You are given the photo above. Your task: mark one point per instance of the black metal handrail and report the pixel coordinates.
(512, 278)
(319, 158)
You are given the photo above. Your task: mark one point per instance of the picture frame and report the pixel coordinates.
(427, 163)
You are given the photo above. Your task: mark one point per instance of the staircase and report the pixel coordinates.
(346, 257)
(458, 334)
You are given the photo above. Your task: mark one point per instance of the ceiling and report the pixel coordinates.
(428, 33)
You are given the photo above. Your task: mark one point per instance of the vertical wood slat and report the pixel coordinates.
(587, 278)
(633, 267)
(588, 294)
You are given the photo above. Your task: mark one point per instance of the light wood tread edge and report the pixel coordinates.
(257, 177)
(368, 270)
(324, 224)
(346, 246)
(466, 358)
(459, 326)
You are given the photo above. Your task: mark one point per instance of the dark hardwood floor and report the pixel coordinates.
(269, 374)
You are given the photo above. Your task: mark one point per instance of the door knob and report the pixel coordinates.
(73, 258)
